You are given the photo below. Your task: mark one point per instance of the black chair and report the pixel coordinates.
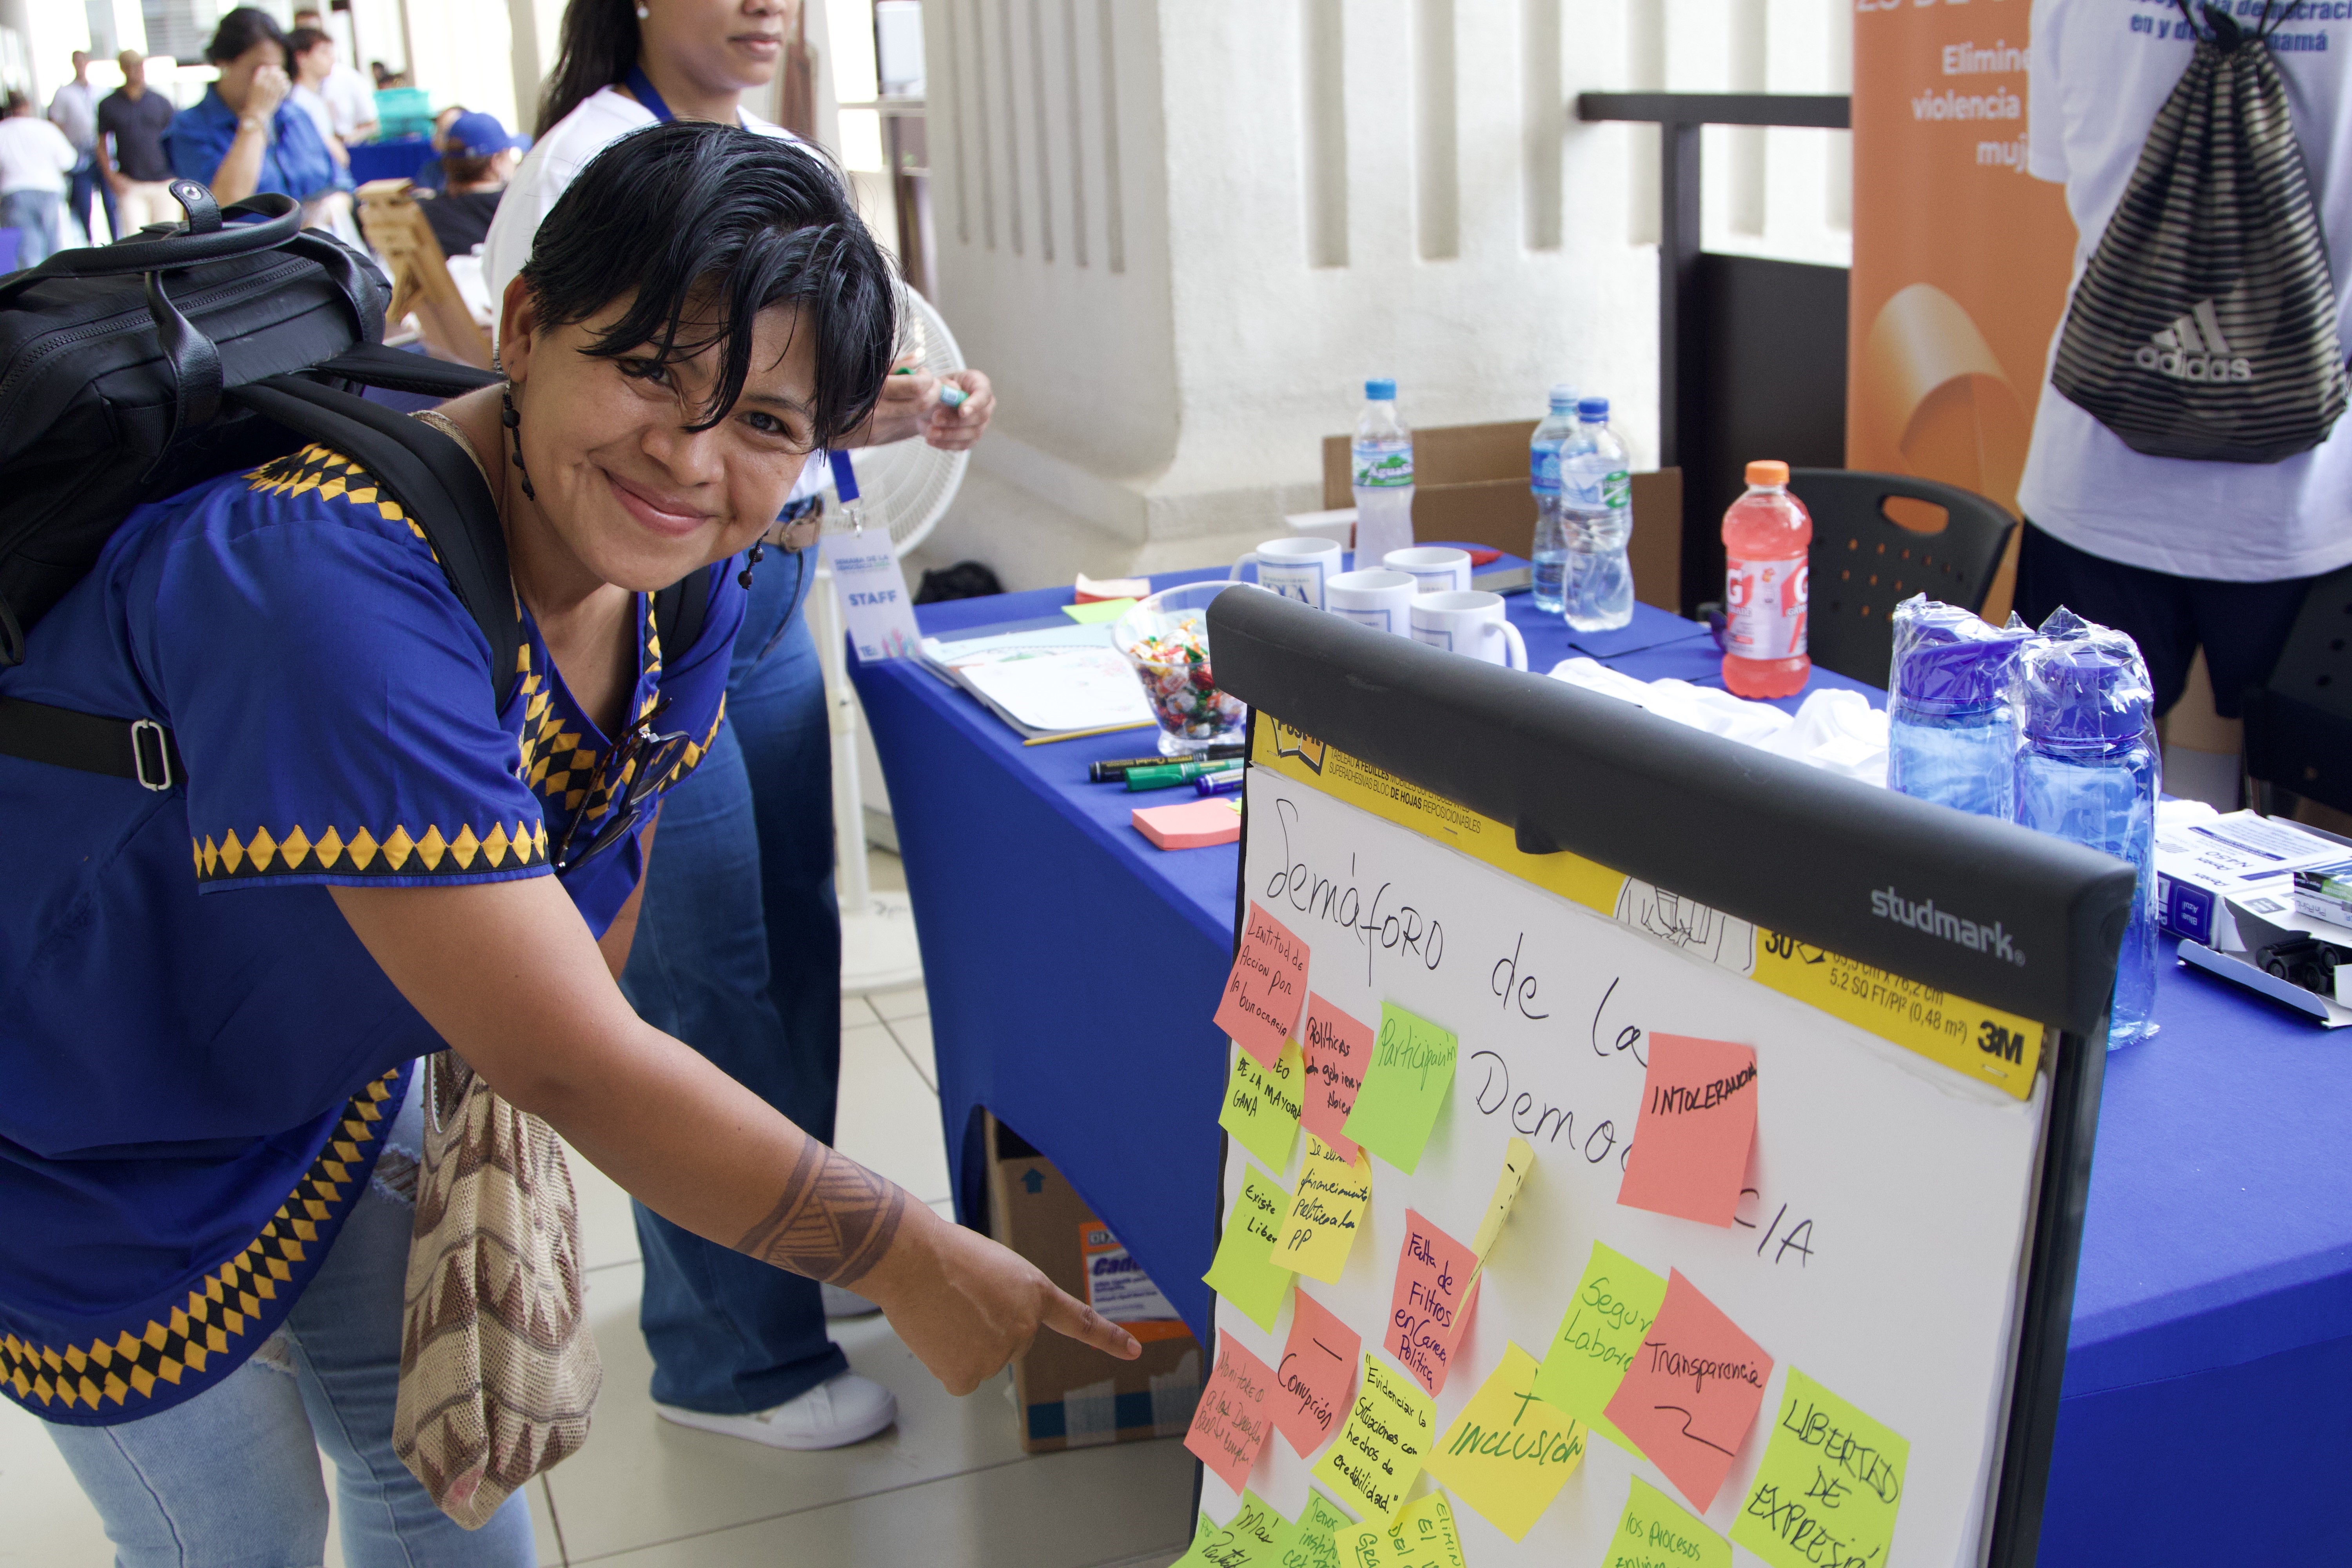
(1864, 563)
(2299, 721)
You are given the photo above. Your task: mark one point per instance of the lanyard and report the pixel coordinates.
(642, 88)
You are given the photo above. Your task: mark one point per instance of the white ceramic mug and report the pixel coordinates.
(1434, 568)
(1468, 621)
(1379, 600)
(1294, 568)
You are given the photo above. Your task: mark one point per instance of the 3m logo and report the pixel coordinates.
(1995, 1040)
(1291, 742)
(2193, 349)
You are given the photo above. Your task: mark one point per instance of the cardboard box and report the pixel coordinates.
(2203, 861)
(1072, 1395)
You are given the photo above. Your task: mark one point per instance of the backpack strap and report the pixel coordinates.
(680, 610)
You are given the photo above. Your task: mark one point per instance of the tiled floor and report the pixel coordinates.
(947, 1487)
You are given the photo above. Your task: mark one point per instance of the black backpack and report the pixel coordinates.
(133, 370)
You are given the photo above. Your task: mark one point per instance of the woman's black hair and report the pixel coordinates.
(703, 226)
(239, 30)
(595, 46)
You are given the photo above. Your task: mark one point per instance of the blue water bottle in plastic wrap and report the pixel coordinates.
(2089, 768)
(1951, 735)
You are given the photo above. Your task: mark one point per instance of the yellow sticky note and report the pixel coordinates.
(1518, 1161)
(1326, 1212)
(1421, 1537)
(1371, 1465)
(1655, 1529)
(1262, 1103)
(1829, 1486)
(1098, 611)
(1613, 1307)
(1317, 1543)
(1508, 1453)
(1243, 1271)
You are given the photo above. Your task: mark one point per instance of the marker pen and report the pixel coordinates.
(1227, 783)
(1114, 771)
(1169, 775)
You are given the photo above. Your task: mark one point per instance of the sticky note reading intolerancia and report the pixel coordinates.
(1230, 1425)
(1698, 1121)
(1382, 1448)
(1339, 1046)
(1421, 1537)
(1243, 1271)
(1430, 1303)
(1518, 1158)
(1325, 1212)
(1654, 1533)
(1508, 1453)
(1312, 1381)
(1829, 1486)
(1606, 1321)
(1262, 1104)
(1412, 1069)
(1692, 1392)
(1267, 987)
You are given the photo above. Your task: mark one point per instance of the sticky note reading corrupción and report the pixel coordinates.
(1230, 1424)
(1325, 1212)
(1428, 1302)
(1412, 1069)
(1243, 1271)
(1692, 1393)
(1267, 988)
(1339, 1047)
(1312, 1381)
(1606, 1321)
(1262, 1104)
(1423, 1536)
(1698, 1121)
(1655, 1533)
(1518, 1158)
(1508, 1453)
(1828, 1485)
(1382, 1448)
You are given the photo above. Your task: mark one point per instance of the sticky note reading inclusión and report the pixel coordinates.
(1508, 1453)
(1267, 987)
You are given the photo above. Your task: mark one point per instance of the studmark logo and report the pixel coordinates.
(1923, 916)
(2193, 349)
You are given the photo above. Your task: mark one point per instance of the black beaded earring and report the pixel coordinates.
(759, 554)
(513, 422)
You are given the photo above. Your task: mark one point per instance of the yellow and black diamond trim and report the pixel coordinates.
(227, 1313)
(398, 853)
(317, 470)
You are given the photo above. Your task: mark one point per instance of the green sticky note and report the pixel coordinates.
(1829, 1486)
(1262, 1103)
(1613, 1307)
(1101, 610)
(1404, 1086)
(1261, 1536)
(1316, 1543)
(1196, 1555)
(1655, 1529)
(1243, 1271)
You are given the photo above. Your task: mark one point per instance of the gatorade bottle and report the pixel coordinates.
(1765, 535)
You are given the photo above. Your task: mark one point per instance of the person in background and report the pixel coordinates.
(739, 947)
(74, 110)
(429, 175)
(35, 159)
(313, 54)
(382, 73)
(244, 136)
(138, 170)
(348, 99)
(479, 158)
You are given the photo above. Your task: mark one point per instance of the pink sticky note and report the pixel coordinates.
(1266, 989)
(1692, 1393)
(1431, 1301)
(1318, 1368)
(1230, 1424)
(1336, 1046)
(1698, 1121)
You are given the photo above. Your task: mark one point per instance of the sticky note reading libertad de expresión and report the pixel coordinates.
(1828, 1485)
(1381, 1449)
(1243, 1271)
(1267, 987)
(1404, 1087)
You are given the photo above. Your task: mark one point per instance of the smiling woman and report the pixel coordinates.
(201, 1271)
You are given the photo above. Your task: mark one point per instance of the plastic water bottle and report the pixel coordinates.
(1596, 497)
(1764, 536)
(2089, 768)
(1951, 734)
(1383, 473)
(1550, 554)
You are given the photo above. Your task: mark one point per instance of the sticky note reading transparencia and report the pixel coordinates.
(1243, 1271)
(1829, 1486)
(1339, 1047)
(1606, 1321)
(1404, 1087)
(1230, 1425)
(1653, 1530)
(1325, 1212)
(1508, 1453)
(1692, 1393)
(1267, 987)
(1382, 1448)
(1698, 1124)
(1262, 1104)
(1430, 1302)
(1421, 1537)
(1317, 1372)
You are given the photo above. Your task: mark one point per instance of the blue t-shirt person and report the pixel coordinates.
(295, 162)
(199, 1055)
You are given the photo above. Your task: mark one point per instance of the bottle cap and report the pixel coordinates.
(1563, 397)
(1767, 471)
(1590, 409)
(2078, 683)
(1381, 389)
(1948, 662)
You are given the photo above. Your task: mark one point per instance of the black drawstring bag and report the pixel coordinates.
(2205, 325)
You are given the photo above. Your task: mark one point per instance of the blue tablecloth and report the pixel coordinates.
(1072, 969)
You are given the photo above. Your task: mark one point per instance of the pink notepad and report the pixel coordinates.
(1192, 826)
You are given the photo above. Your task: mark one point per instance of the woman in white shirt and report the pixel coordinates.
(739, 950)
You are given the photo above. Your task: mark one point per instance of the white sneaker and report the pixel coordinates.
(843, 1410)
(841, 1303)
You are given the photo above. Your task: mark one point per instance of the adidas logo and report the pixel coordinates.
(2193, 349)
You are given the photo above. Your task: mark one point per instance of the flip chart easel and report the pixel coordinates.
(1555, 878)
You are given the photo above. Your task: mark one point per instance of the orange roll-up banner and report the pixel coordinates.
(1960, 258)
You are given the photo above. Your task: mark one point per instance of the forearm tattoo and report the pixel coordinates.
(835, 1221)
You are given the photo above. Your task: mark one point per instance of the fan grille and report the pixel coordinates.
(909, 484)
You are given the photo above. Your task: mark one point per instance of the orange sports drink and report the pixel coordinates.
(1765, 535)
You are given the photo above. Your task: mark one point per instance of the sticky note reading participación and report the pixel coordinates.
(1230, 1425)
(1317, 1372)
(1421, 1537)
(1430, 1303)
(1518, 1158)
(1698, 1124)
(1267, 987)
(1404, 1087)
(1382, 1448)
(1606, 1321)
(1829, 1486)
(1339, 1047)
(1654, 1533)
(1262, 1104)
(1692, 1392)
(1325, 1212)
(1508, 1453)
(1243, 1271)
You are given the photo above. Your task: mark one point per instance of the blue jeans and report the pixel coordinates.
(34, 215)
(737, 952)
(231, 1479)
(84, 182)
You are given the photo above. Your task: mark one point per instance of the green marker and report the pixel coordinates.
(1166, 775)
(950, 395)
